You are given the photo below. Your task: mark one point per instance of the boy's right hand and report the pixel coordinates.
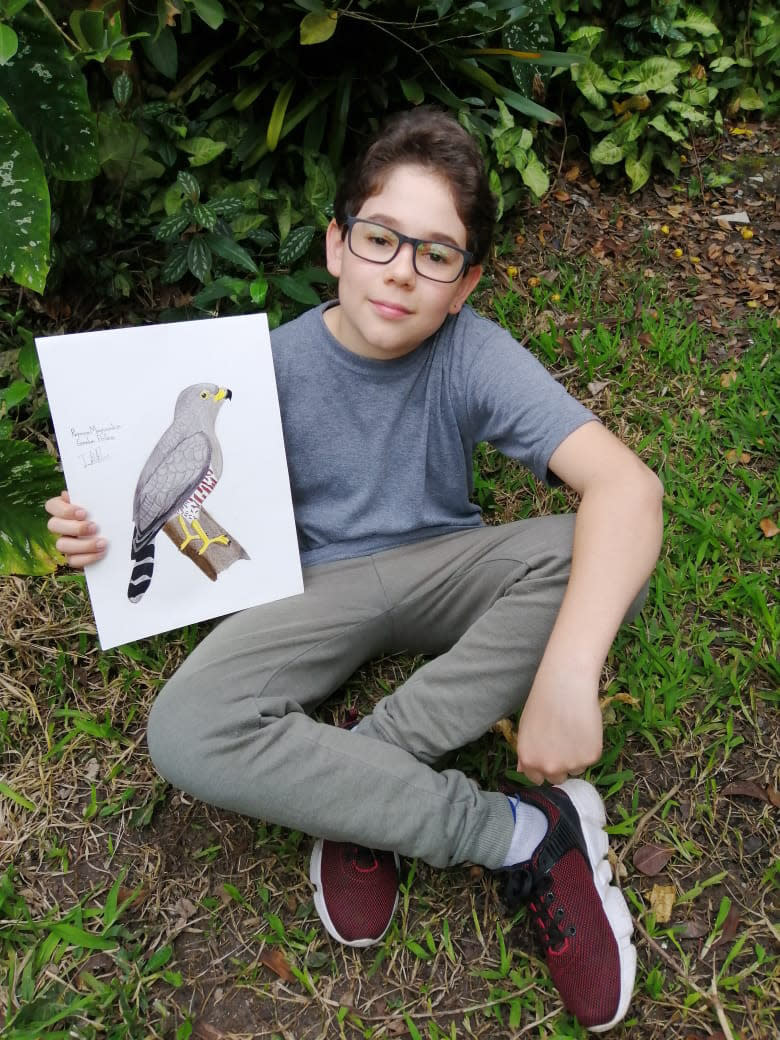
(79, 540)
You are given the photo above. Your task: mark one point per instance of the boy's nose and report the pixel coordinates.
(401, 267)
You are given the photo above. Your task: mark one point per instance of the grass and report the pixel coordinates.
(126, 910)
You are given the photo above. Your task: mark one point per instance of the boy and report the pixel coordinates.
(384, 394)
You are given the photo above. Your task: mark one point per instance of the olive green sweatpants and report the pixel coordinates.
(232, 726)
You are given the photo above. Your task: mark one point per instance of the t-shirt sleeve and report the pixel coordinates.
(513, 402)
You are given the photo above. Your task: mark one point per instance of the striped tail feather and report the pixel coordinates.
(143, 568)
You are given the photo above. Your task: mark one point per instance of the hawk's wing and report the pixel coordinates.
(168, 479)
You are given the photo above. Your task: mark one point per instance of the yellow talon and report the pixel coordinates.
(221, 539)
(187, 536)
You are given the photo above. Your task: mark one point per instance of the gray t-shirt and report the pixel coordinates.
(380, 452)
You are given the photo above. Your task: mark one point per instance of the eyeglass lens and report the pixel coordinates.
(379, 244)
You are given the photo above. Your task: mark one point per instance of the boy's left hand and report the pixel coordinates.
(560, 730)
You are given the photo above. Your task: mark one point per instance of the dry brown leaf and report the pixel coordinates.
(562, 196)
(595, 388)
(696, 928)
(621, 698)
(745, 789)
(733, 456)
(651, 859)
(774, 796)
(727, 378)
(769, 527)
(730, 926)
(675, 211)
(204, 1031)
(572, 173)
(278, 963)
(661, 902)
(507, 731)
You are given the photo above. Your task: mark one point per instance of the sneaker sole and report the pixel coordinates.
(593, 819)
(315, 876)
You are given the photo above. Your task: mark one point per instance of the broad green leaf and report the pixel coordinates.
(295, 245)
(188, 183)
(228, 249)
(47, 93)
(296, 288)
(276, 121)
(8, 8)
(593, 81)
(163, 52)
(205, 216)
(413, 92)
(607, 151)
(587, 34)
(698, 22)
(653, 74)
(638, 169)
(535, 176)
(318, 26)
(172, 226)
(202, 150)
(25, 209)
(211, 11)
(89, 29)
(9, 43)
(660, 122)
(78, 937)
(28, 477)
(122, 89)
(721, 64)
(199, 258)
(14, 394)
(122, 150)
(219, 289)
(175, 266)
(748, 99)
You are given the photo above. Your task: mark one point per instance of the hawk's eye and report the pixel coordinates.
(204, 394)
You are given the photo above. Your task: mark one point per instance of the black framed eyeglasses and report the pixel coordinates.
(439, 261)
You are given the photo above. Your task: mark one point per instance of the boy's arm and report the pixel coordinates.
(617, 538)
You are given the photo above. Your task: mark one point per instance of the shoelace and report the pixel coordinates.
(521, 886)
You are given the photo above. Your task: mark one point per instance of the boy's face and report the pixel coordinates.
(387, 310)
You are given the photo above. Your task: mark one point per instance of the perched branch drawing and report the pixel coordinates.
(181, 472)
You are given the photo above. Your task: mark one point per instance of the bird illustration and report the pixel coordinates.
(180, 473)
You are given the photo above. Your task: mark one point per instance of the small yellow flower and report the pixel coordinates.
(678, 253)
(695, 259)
(533, 282)
(752, 303)
(746, 232)
(511, 272)
(555, 297)
(664, 229)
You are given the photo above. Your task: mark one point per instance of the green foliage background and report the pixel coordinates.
(208, 138)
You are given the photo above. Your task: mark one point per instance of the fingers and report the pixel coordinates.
(80, 540)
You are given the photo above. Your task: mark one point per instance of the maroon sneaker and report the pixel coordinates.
(582, 920)
(355, 890)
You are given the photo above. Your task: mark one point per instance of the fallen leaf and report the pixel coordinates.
(727, 378)
(507, 731)
(733, 456)
(674, 211)
(769, 527)
(745, 789)
(661, 902)
(740, 217)
(621, 698)
(774, 796)
(696, 928)
(572, 173)
(595, 388)
(278, 963)
(476, 872)
(730, 926)
(651, 859)
(204, 1031)
(562, 196)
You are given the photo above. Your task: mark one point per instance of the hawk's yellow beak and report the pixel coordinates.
(223, 392)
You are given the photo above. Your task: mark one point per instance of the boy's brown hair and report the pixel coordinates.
(426, 137)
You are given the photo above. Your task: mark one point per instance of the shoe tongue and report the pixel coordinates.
(365, 858)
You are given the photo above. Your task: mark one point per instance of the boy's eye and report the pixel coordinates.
(434, 253)
(381, 238)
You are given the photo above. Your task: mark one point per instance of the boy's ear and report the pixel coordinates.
(334, 249)
(467, 285)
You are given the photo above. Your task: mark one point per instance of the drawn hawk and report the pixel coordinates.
(181, 472)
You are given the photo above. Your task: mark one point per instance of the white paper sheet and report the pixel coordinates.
(112, 396)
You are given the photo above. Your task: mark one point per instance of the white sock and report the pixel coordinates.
(530, 829)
